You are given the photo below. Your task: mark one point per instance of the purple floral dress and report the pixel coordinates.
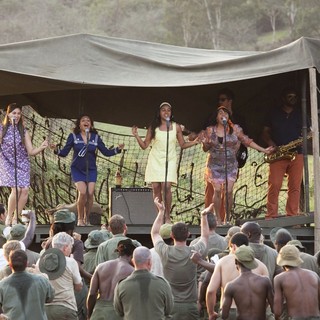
(215, 167)
(7, 160)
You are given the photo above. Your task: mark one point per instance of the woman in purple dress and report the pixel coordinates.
(221, 153)
(15, 149)
(85, 142)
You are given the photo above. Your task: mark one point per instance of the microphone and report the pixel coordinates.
(87, 134)
(224, 121)
(168, 122)
(13, 120)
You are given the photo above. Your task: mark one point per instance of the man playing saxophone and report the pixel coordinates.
(283, 127)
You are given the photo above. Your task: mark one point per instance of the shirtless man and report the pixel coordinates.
(105, 279)
(300, 288)
(226, 271)
(249, 291)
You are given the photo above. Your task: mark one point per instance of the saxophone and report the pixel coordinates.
(283, 152)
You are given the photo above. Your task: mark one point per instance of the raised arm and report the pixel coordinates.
(28, 237)
(204, 224)
(155, 230)
(144, 144)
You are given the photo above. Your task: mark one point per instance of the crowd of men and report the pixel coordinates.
(212, 277)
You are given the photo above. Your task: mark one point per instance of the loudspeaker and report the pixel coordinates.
(134, 204)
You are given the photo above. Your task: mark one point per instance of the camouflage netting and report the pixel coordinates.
(51, 183)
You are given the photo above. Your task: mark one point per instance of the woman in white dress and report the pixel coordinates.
(156, 166)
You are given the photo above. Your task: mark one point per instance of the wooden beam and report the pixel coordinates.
(315, 149)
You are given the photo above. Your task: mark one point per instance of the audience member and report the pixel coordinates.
(226, 271)
(165, 233)
(64, 221)
(280, 237)
(178, 268)
(214, 240)
(107, 250)
(143, 295)
(231, 231)
(213, 256)
(18, 232)
(249, 291)
(104, 280)
(262, 252)
(95, 238)
(64, 276)
(23, 295)
(11, 245)
(298, 288)
(309, 261)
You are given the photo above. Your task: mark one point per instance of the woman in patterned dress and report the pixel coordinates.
(85, 142)
(15, 149)
(156, 165)
(213, 141)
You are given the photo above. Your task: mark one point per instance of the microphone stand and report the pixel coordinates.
(226, 171)
(166, 168)
(87, 214)
(15, 167)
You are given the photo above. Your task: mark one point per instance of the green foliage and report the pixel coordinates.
(212, 24)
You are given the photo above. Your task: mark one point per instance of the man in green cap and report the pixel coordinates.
(249, 291)
(95, 238)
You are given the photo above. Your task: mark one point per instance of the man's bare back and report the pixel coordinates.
(300, 288)
(226, 271)
(250, 293)
(108, 274)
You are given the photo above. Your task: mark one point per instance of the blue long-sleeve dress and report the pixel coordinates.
(84, 166)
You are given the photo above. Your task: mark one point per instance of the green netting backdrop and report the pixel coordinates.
(51, 183)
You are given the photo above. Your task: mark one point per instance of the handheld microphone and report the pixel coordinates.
(13, 120)
(224, 121)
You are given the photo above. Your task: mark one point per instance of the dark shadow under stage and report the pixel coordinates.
(300, 227)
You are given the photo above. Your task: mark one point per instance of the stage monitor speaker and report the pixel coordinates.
(134, 204)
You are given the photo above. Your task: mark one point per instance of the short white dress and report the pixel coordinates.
(156, 165)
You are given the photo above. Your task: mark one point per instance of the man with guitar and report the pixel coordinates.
(282, 126)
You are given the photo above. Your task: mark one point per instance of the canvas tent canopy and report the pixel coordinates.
(123, 81)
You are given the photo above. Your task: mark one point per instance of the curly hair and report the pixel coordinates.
(76, 129)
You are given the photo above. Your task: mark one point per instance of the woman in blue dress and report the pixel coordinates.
(15, 149)
(85, 142)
